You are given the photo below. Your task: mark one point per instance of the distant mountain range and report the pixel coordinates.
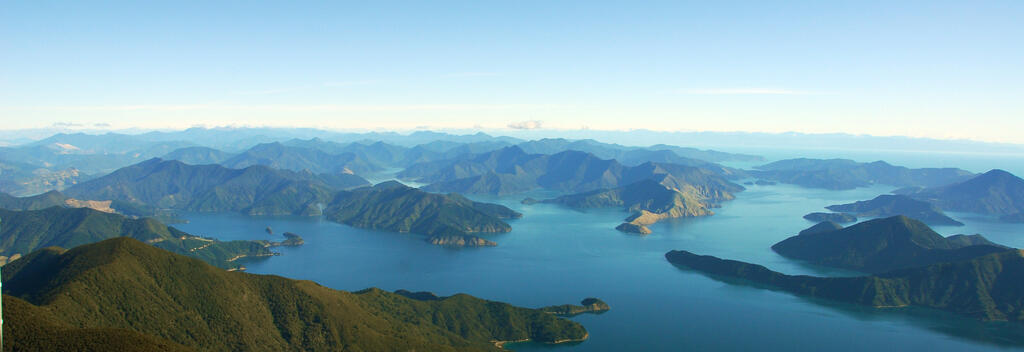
(512, 170)
(882, 245)
(280, 156)
(256, 190)
(24, 179)
(122, 294)
(62, 160)
(633, 155)
(838, 174)
(985, 287)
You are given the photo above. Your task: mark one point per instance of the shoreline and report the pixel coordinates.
(501, 344)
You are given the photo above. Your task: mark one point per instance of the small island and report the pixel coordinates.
(833, 217)
(291, 240)
(652, 200)
(587, 305)
(458, 240)
(629, 227)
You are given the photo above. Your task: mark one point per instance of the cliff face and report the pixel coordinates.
(985, 287)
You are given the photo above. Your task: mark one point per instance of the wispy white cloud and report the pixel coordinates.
(750, 91)
(526, 125)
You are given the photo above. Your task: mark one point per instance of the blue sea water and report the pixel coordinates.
(556, 255)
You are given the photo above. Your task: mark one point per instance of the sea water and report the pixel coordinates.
(555, 255)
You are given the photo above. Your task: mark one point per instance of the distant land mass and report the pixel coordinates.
(985, 287)
(23, 179)
(512, 170)
(240, 138)
(364, 156)
(995, 192)
(839, 174)
(651, 200)
(198, 155)
(255, 190)
(882, 245)
(445, 219)
(22, 232)
(258, 190)
(279, 156)
(888, 205)
(125, 291)
(841, 218)
(36, 202)
(633, 155)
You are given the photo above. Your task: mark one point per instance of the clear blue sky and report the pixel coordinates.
(917, 68)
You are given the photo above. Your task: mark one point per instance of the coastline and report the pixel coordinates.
(501, 344)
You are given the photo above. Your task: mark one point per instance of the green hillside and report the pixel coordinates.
(986, 287)
(881, 245)
(395, 207)
(124, 284)
(22, 232)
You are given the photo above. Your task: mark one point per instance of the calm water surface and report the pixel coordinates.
(556, 255)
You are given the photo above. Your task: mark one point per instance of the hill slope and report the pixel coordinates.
(986, 287)
(280, 156)
(22, 232)
(881, 245)
(994, 192)
(256, 190)
(648, 201)
(124, 284)
(393, 206)
(512, 170)
(848, 174)
(888, 205)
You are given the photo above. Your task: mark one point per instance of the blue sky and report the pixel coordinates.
(916, 68)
